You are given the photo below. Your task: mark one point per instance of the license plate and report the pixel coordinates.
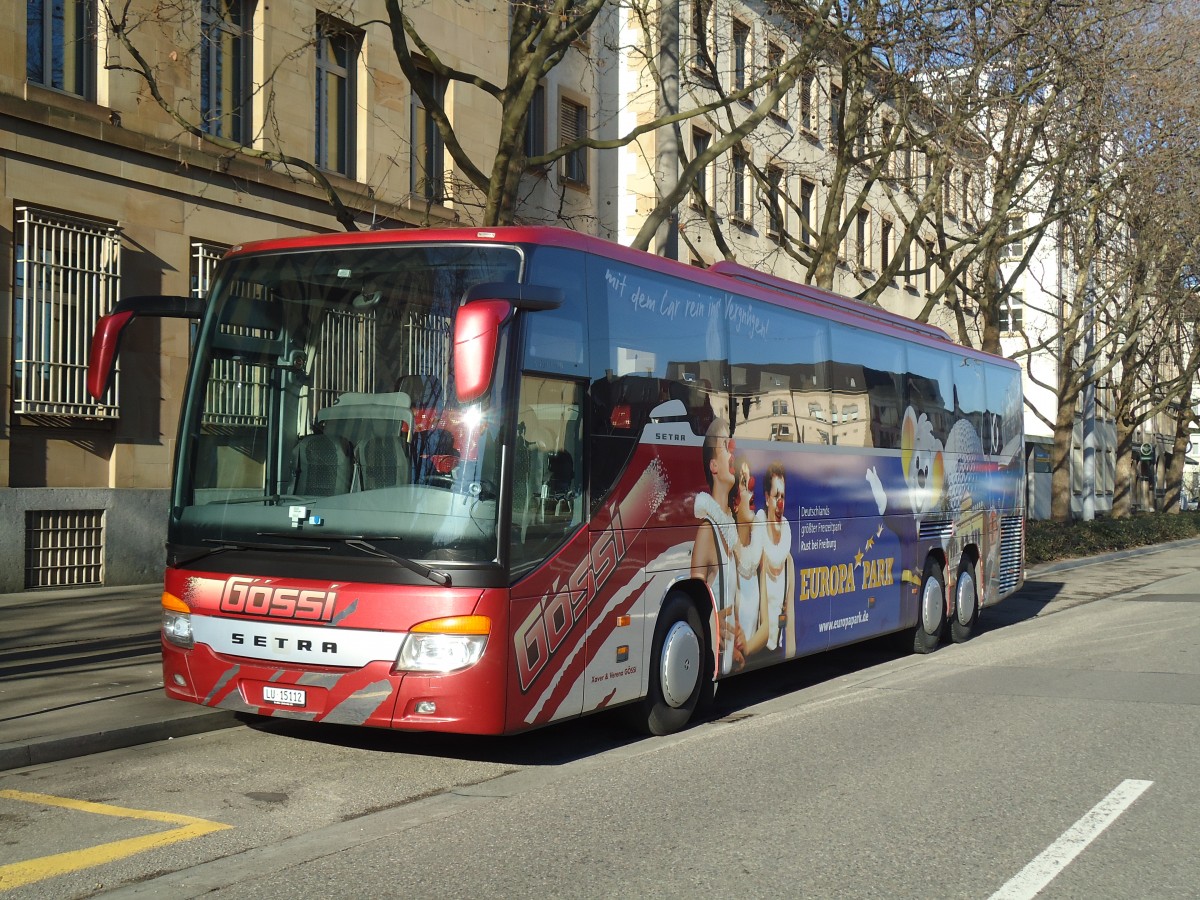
(283, 696)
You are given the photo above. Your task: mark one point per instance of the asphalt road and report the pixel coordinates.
(1052, 753)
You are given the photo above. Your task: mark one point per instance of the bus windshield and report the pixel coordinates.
(320, 410)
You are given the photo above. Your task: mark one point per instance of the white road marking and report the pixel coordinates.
(1030, 881)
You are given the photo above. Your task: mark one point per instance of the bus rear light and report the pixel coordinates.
(441, 646)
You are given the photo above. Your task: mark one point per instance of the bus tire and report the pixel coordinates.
(932, 614)
(680, 674)
(966, 601)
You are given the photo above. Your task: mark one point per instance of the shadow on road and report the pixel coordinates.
(570, 741)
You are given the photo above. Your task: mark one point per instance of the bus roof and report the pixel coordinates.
(748, 281)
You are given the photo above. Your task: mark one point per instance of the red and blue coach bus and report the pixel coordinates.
(483, 480)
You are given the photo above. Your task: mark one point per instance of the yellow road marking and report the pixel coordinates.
(18, 874)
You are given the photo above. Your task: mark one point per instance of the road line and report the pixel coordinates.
(1030, 881)
(32, 870)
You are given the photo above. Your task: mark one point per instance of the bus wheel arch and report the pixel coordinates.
(680, 680)
(964, 611)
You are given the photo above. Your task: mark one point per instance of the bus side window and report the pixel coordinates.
(547, 467)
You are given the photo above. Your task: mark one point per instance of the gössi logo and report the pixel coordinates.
(246, 597)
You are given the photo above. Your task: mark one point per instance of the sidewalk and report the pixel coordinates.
(80, 673)
(79, 669)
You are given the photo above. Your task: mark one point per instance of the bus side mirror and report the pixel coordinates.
(106, 339)
(476, 337)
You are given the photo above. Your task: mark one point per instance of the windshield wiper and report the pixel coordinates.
(359, 542)
(224, 546)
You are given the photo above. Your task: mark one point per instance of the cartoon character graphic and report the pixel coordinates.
(922, 461)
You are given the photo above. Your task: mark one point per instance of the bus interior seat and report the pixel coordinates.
(323, 466)
(527, 470)
(424, 391)
(383, 462)
(560, 483)
(355, 417)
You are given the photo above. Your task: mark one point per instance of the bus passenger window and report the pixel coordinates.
(547, 468)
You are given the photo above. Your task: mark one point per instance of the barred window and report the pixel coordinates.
(67, 275)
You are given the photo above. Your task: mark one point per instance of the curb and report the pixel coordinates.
(36, 752)
(1080, 562)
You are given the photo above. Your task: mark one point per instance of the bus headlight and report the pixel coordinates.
(444, 645)
(177, 621)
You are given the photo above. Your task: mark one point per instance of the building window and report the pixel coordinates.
(535, 123)
(700, 143)
(885, 244)
(779, 408)
(428, 164)
(67, 275)
(808, 210)
(225, 68)
(740, 199)
(741, 54)
(862, 238)
(775, 64)
(701, 22)
(777, 222)
(835, 115)
(1015, 248)
(808, 102)
(1012, 314)
(60, 45)
(572, 127)
(337, 59)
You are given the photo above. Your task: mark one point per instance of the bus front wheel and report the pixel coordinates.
(680, 674)
(966, 602)
(928, 632)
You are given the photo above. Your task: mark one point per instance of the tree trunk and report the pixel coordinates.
(1128, 469)
(1060, 463)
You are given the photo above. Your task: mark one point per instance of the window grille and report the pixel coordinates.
(67, 276)
(345, 358)
(237, 392)
(64, 548)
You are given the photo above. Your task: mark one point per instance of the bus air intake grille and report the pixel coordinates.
(1012, 533)
(940, 531)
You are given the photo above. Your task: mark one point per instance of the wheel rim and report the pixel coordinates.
(964, 598)
(931, 606)
(679, 668)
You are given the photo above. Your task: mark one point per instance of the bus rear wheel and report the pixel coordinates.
(932, 621)
(966, 602)
(680, 674)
